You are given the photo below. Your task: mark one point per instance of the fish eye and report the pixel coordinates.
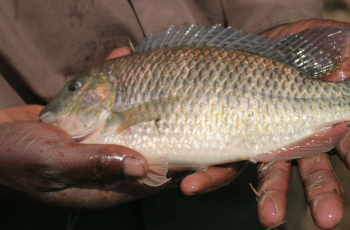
(74, 86)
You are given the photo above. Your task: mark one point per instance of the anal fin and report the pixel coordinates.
(321, 141)
(157, 170)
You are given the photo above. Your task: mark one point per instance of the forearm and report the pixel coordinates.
(258, 16)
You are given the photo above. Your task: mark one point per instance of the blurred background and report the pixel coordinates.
(337, 10)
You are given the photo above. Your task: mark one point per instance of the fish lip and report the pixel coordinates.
(44, 113)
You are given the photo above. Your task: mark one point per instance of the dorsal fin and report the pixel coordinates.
(317, 51)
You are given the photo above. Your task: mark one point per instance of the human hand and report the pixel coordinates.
(202, 180)
(41, 163)
(339, 74)
(21, 113)
(321, 187)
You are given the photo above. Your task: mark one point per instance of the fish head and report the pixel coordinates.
(82, 106)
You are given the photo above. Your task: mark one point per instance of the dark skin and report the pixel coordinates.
(44, 165)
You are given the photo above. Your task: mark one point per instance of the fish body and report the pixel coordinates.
(208, 104)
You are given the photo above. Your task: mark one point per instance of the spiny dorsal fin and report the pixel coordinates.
(317, 51)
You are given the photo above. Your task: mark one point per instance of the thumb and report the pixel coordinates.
(88, 162)
(122, 51)
(343, 149)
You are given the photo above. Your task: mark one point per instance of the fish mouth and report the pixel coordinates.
(43, 114)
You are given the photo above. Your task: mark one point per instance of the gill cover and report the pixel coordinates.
(82, 106)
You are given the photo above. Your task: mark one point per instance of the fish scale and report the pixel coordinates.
(191, 97)
(200, 115)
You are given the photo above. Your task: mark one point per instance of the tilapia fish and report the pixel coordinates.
(192, 96)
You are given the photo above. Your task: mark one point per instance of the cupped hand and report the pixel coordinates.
(43, 164)
(322, 190)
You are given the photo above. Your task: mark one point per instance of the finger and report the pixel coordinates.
(99, 194)
(91, 195)
(118, 53)
(273, 189)
(106, 193)
(322, 191)
(343, 71)
(302, 25)
(21, 113)
(82, 162)
(343, 149)
(203, 181)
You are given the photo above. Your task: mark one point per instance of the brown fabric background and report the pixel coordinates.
(46, 42)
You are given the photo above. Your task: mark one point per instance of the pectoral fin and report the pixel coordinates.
(149, 111)
(157, 170)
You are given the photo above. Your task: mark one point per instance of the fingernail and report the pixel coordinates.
(133, 167)
(200, 192)
(190, 194)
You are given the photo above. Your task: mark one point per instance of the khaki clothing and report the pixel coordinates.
(43, 43)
